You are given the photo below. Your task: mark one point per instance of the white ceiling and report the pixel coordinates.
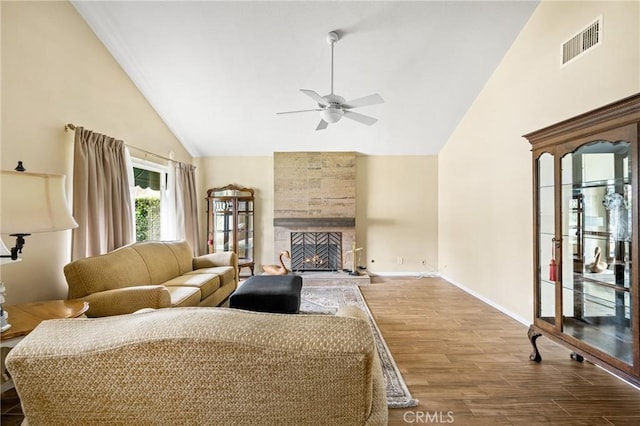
(217, 72)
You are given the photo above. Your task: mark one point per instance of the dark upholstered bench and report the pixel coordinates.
(278, 294)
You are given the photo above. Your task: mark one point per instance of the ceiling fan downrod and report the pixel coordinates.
(332, 38)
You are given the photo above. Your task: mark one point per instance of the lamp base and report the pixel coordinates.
(4, 324)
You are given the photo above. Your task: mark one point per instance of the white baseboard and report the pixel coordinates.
(404, 274)
(489, 302)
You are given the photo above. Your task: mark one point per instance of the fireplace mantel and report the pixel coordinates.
(306, 222)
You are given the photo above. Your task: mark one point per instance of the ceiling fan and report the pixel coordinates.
(333, 107)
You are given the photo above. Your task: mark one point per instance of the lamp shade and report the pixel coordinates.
(33, 202)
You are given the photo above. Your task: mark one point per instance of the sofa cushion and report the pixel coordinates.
(184, 296)
(121, 268)
(207, 283)
(183, 254)
(227, 274)
(161, 261)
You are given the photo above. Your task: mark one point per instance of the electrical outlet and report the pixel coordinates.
(399, 260)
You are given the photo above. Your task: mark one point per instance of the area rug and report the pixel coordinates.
(326, 300)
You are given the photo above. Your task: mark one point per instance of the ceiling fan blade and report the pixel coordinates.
(360, 118)
(365, 101)
(322, 125)
(313, 95)
(302, 110)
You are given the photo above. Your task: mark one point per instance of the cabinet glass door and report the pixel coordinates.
(223, 238)
(245, 229)
(547, 271)
(596, 249)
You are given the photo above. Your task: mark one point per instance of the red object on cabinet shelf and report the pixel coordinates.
(553, 268)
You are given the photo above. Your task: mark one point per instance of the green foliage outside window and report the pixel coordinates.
(147, 219)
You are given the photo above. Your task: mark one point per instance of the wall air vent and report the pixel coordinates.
(583, 41)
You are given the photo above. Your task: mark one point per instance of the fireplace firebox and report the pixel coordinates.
(316, 251)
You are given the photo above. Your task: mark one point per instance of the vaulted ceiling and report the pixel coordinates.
(217, 72)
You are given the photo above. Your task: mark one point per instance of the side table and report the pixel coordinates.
(24, 318)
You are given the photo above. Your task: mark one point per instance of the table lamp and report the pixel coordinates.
(31, 203)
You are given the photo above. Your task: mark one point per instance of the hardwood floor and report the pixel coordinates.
(468, 364)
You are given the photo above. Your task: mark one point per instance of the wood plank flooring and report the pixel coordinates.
(468, 364)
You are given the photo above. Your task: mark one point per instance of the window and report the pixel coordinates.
(150, 182)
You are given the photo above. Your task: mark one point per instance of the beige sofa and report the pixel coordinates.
(156, 274)
(201, 366)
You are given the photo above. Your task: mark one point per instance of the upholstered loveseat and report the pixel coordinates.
(201, 366)
(157, 274)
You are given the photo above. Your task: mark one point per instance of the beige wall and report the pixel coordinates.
(55, 71)
(485, 200)
(396, 212)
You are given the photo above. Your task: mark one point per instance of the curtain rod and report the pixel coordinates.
(71, 126)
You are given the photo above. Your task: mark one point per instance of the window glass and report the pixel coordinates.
(147, 201)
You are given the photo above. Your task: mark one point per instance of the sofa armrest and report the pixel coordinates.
(227, 258)
(378, 408)
(127, 300)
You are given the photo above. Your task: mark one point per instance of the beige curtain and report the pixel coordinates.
(101, 195)
(187, 206)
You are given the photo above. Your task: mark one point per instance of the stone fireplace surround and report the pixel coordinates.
(314, 192)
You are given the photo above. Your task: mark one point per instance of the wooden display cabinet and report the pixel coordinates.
(585, 201)
(230, 223)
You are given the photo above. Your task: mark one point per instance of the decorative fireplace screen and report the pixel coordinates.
(316, 251)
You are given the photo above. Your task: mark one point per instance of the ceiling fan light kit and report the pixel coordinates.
(331, 115)
(333, 107)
